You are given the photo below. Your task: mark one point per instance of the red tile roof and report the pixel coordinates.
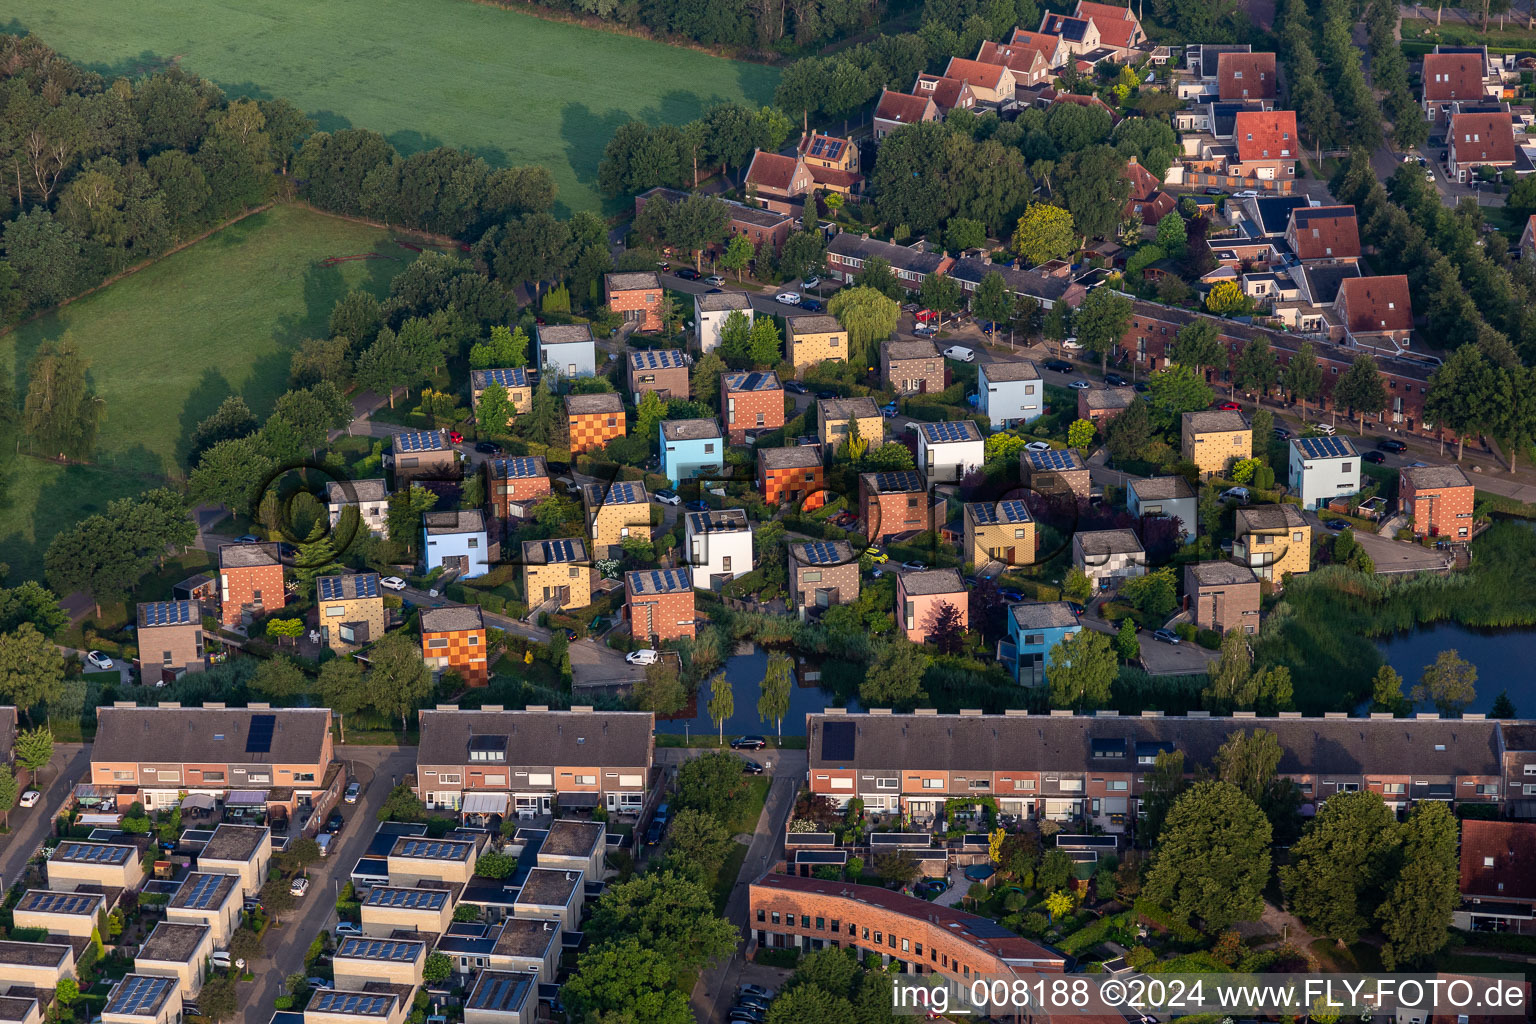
(1020, 58)
(985, 76)
(1147, 196)
(1045, 42)
(1116, 25)
(903, 107)
(1373, 304)
(1512, 848)
(1052, 96)
(1483, 138)
(1265, 135)
(834, 176)
(1453, 76)
(771, 170)
(1325, 232)
(947, 93)
(1245, 76)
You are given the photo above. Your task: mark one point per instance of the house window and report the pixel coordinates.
(586, 780)
(887, 783)
(761, 914)
(811, 576)
(435, 644)
(933, 783)
(297, 776)
(450, 779)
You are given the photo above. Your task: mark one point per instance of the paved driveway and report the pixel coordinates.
(71, 764)
(378, 768)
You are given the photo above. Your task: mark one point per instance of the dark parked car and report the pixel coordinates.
(1336, 524)
(487, 447)
(1388, 444)
(1282, 433)
(1167, 636)
(688, 274)
(1011, 595)
(1058, 366)
(653, 834)
(1374, 457)
(1141, 385)
(1114, 380)
(748, 743)
(751, 768)
(697, 506)
(811, 305)
(335, 822)
(794, 387)
(826, 394)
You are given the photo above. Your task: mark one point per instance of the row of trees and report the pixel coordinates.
(641, 155)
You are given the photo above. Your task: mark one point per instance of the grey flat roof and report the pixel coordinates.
(634, 280)
(794, 457)
(33, 954)
(723, 520)
(140, 995)
(501, 992)
(1214, 420)
(919, 349)
(1011, 369)
(1214, 574)
(1162, 488)
(247, 556)
(203, 890)
(690, 430)
(173, 943)
(236, 843)
(1108, 542)
(567, 838)
(549, 887)
(1043, 615)
(586, 405)
(816, 323)
(447, 620)
(521, 936)
(1269, 517)
(564, 334)
(341, 493)
(464, 520)
(1429, 477)
(933, 581)
(848, 408)
(715, 302)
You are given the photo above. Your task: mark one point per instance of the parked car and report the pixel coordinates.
(666, 497)
(1326, 429)
(811, 282)
(788, 298)
(1114, 380)
(1038, 446)
(392, 583)
(354, 790)
(961, 353)
(1282, 432)
(876, 555)
(335, 823)
(1336, 524)
(1388, 444)
(1071, 344)
(1057, 365)
(487, 447)
(1141, 386)
(811, 306)
(751, 768)
(888, 410)
(1167, 636)
(221, 958)
(794, 387)
(30, 798)
(653, 833)
(250, 538)
(925, 330)
(1429, 175)
(645, 656)
(826, 395)
(663, 265)
(913, 566)
(1374, 457)
(749, 743)
(1079, 385)
(455, 437)
(347, 928)
(1011, 595)
(925, 316)
(98, 660)
(715, 279)
(1235, 494)
(697, 506)
(299, 887)
(754, 990)
(319, 983)
(1228, 406)
(688, 274)
(744, 1015)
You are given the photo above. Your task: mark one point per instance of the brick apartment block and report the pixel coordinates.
(751, 401)
(790, 474)
(659, 604)
(664, 371)
(250, 581)
(1438, 499)
(636, 297)
(897, 502)
(593, 420)
(454, 638)
(518, 480)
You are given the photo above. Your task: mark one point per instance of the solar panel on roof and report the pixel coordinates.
(200, 896)
(378, 949)
(137, 995)
(516, 377)
(1052, 459)
(167, 613)
(367, 585)
(1013, 511)
(948, 431)
(818, 146)
(1324, 447)
(837, 741)
(820, 553)
(834, 147)
(353, 1002)
(559, 551)
(418, 441)
(93, 853)
(44, 902)
(260, 739)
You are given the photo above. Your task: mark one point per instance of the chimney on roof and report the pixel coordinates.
(492, 707)
(169, 704)
(581, 709)
(255, 705)
(537, 707)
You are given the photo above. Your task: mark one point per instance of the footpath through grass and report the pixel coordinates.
(168, 344)
(512, 87)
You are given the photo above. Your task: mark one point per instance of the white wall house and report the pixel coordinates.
(710, 311)
(1323, 468)
(719, 546)
(1170, 497)
(370, 497)
(1009, 392)
(1108, 555)
(949, 450)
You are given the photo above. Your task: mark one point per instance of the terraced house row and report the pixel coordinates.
(1093, 769)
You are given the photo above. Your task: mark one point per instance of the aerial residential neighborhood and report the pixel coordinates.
(673, 513)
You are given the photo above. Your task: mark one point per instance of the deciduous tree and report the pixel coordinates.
(397, 678)
(1045, 232)
(1338, 868)
(894, 677)
(773, 701)
(1212, 859)
(1449, 683)
(1415, 917)
(1101, 321)
(1361, 389)
(1080, 671)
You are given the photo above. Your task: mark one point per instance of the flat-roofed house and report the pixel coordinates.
(659, 604)
(426, 909)
(20, 1010)
(790, 474)
(662, 370)
(1323, 468)
(1100, 405)
(513, 380)
(550, 894)
(77, 862)
(502, 997)
(351, 610)
(1010, 392)
(168, 752)
(718, 545)
(712, 309)
(240, 850)
(567, 351)
(1058, 471)
(516, 482)
(1223, 596)
(170, 639)
(250, 582)
(1438, 500)
(836, 419)
(571, 845)
(822, 573)
(998, 531)
(616, 512)
(921, 595)
(1035, 628)
(813, 339)
(362, 959)
(1164, 497)
(453, 639)
(753, 402)
(912, 367)
(178, 951)
(143, 999)
(636, 296)
(414, 859)
(379, 1005)
(592, 421)
(211, 899)
(895, 502)
(459, 540)
(527, 945)
(1107, 555)
(1272, 540)
(369, 497)
(690, 448)
(422, 455)
(557, 570)
(531, 758)
(35, 965)
(60, 913)
(1214, 439)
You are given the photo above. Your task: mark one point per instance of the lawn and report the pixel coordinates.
(167, 345)
(512, 87)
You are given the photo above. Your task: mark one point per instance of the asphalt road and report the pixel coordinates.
(71, 764)
(376, 768)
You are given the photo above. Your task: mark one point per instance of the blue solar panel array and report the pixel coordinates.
(757, 380)
(559, 551)
(377, 949)
(259, 740)
(948, 431)
(661, 581)
(898, 480)
(406, 899)
(1053, 459)
(335, 588)
(517, 377)
(516, 467)
(418, 441)
(94, 853)
(44, 902)
(433, 849)
(203, 889)
(354, 1003)
(167, 613)
(820, 553)
(1325, 447)
(1001, 512)
(138, 995)
(826, 148)
(623, 494)
(657, 359)
(500, 992)
(837, 741)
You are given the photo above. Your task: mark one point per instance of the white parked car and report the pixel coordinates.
(30, 798)
(347, 928)
(1038, 446)
(715, 281)
(645, 656)
(221, 958)
(811, 282)
(788, 298)
(98, 660)
(961, 353)
(1071, 343)
(1327, 429)
(392, 583)
(299, 887)
(1429, 175)
(1079, 385)
(1247, 193)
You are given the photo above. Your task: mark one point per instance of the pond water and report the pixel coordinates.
(1505, 660)
(745, 673)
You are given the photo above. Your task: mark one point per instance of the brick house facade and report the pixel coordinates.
(659, 604)
(636, 296)
(822, 574)
(1222, 596)
(170, 639)
(790, 474)
(751, 401)
(593, 420)
(1438, 499)
(516, 481)
(250, 581)
(661, 370)
(454, 638)
(897, 502)
(912, 367)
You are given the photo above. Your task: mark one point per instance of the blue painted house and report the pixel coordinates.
(457, 541)
(691, 448)
(1034, 627)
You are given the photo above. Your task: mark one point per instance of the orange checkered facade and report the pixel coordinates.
(462, 650)
(593, 430)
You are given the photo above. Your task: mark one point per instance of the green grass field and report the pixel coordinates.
(167, 345)
(512, 87)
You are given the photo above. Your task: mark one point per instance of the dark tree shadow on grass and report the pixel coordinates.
(211, 390)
